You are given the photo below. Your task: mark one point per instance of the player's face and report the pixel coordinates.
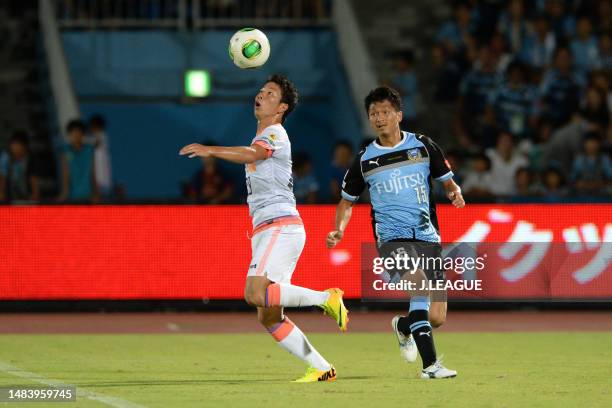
(268, 101)
(384, 118)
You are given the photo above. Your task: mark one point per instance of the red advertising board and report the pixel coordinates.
(203, 252)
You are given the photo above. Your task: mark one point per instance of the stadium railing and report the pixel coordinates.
(195, 14)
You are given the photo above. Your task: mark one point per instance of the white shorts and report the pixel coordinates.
(276, 251)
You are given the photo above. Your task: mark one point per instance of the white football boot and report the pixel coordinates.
(408, 348)
(437, 370)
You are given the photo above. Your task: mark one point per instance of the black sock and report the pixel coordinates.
(403, 325)
(418, 321)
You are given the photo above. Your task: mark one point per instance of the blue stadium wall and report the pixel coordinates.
(135, 79)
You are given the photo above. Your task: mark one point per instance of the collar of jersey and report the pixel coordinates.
(268, 127)
(404, 138)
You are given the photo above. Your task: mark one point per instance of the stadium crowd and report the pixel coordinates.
(530, 87)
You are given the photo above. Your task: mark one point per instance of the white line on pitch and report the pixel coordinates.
(81, 392)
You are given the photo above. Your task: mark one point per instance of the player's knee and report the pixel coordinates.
(255, 299)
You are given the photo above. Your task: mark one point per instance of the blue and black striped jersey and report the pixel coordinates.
(399, 181)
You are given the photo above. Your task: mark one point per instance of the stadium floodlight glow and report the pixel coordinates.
(197, 83)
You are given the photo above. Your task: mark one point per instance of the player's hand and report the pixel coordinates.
(456, 198)
(196, 150)
(333, 238)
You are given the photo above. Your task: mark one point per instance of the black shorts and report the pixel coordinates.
(430, 254)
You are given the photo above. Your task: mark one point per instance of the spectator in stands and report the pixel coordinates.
(457, 36)
(564, 143)
(563, 23)
(592, 170)
(406, 83)
(603, 16)
(514, 103)
(605, 52)
(478, 181)
(499, 53)
(209, 184)
(539, 45)
(484, 16)
(18, 171)
(99, 140)
(601, 81)
(513, 26)
(343, 154)
(305, 186)
(595, 110)
(505, 161)
(554, 188)
(475, 91)
(447, 71)
(561, 88)
(78, 166)
(525, 184)
(536, 151)
(585, 47)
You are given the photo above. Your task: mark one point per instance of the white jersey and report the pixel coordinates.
(269, 182)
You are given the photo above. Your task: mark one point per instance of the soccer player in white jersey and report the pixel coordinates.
(278, 233)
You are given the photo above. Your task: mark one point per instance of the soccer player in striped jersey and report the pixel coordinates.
(398, 168)
(278, 233)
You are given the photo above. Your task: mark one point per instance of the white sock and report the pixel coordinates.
(291, 338)
(285, 294)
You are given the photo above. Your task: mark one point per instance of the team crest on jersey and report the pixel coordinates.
(413, 154)
(273, 138)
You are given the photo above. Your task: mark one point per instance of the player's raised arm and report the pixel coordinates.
(343, 216)
(234, 154)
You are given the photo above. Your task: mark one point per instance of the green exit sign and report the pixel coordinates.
(197, 83)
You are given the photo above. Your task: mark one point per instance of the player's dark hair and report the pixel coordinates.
(289, 93)
(381, 94)
(75, 124)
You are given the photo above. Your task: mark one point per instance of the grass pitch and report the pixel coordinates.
(250, 370)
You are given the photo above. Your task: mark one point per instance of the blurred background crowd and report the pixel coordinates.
(527, 85)
(518, 94)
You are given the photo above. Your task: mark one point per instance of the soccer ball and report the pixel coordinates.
(249, 48)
